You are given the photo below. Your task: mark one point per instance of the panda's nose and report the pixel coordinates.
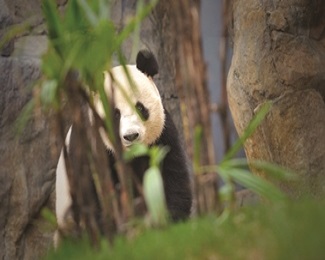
(131, 137)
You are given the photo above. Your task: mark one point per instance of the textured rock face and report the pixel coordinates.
(26, 168)
(279, 55)
(26, 162)
(5, 22)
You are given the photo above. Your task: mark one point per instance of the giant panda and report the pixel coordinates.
(153, 127)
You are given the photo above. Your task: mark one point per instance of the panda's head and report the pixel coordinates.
(138, 106)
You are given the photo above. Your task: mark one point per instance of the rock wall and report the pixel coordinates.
(279, 55)
(28, 161)
(27, 168)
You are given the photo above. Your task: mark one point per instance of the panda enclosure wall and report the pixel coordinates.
(278, 55)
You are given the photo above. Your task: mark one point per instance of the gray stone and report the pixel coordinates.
(26, 164)
(277, 58)
(5, 22)
(30, 46)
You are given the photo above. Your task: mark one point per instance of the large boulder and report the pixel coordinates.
(27, 162)
(279, 55)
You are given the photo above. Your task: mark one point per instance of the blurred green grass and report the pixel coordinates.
(288, 230)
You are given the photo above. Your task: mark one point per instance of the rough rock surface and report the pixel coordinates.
(26, 162)
(5, 22)
(279, 55)
(26, 167)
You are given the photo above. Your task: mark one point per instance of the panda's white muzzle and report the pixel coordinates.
(131, 129)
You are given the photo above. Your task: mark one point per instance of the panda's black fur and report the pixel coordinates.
(174, 168)
(147, 63)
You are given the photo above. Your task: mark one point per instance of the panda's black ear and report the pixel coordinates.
(147, 63)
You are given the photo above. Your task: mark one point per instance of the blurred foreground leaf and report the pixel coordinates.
(249, 130)
(154, 195)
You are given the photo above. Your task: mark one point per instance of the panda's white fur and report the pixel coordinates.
(142, 90)
(158, 129)
(62, 191)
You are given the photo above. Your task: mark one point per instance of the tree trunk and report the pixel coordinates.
(279, 55)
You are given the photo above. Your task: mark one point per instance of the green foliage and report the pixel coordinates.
(250, 129)
(136, 150)
(49, 216)
(274, 171)
(24, 117)
(290, 230)
(232, 170)
(153, 189)
(84, 39)
(49, 92)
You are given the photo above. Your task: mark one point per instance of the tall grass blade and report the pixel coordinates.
(252, 126)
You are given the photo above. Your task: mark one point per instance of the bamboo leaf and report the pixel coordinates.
(24, 117)
(136, 33)
(91, 16)
(130, 27)
(157, 154)
(226, 192)
(275, 171)
(254, 123)
(155, 197)
(135, 150)
(104, 10)
(49, 216)
(49, 93)
(53, 22)
(108, 112)
(256, 184)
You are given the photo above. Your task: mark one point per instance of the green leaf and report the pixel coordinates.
(226, 192)
(275, 171)
(24, 117)
(157, 155)
(53, 22)
(136, 33)
(135, 150)
(253, 124)
(131, 26)
(49, 216)
(74, 19)
(91, 16)
(154, 196)
(255, 183)
(49, 93)
(108, 112)
(104, 9)
(52, 64)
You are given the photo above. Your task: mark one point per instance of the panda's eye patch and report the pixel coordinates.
(117, 113)
(142, 110)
